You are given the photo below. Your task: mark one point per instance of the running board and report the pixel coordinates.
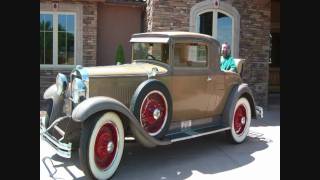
(193, 133)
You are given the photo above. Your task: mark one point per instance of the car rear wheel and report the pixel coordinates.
(101, 145)
(152, 106)
(240, 122)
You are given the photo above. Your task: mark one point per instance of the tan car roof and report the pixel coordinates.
(173, 34)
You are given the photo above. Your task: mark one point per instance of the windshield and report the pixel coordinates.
(150, 51)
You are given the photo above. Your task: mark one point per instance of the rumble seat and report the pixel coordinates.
(239, 64)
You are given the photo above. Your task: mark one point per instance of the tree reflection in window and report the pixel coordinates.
(46, 34)
(66, 39)
(150, 51)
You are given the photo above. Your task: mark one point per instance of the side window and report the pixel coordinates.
(190, 55)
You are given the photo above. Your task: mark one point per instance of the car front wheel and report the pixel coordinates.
(101, 145)
(240, 122)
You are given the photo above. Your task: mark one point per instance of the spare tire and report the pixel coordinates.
(151, 104)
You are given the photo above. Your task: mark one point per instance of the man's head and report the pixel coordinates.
(225, 49)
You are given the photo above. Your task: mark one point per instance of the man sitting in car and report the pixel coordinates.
(227, 63)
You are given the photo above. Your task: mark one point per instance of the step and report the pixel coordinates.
(193, 133)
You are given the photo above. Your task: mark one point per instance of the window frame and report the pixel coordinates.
(160, 43)
(55, 21)
(190, 69)
(225, 7)
(215, 25)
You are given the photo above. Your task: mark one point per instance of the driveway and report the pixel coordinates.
(207, 157)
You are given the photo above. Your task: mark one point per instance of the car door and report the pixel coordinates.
(190, 80)
(216, 83)
(216, 92)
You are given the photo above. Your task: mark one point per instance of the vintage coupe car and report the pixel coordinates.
(173, 90)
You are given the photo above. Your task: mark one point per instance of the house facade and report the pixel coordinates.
(84, 32)
(88, 32)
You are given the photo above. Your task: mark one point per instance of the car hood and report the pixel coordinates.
(125, 69)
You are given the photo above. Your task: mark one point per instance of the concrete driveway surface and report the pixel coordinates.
(207, 157)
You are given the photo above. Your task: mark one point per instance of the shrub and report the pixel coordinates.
(120, 55)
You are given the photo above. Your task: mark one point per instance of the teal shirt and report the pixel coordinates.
(227, 64)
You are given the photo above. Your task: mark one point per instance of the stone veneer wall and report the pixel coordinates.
(163, 15)
(89, 43)
(255, 45)
(90, 11)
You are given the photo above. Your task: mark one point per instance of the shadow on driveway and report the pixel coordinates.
(208, 155)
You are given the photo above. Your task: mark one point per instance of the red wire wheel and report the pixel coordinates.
(152, 106)
(105, 146)
(241, 120)
(101, 145)
(154, 112)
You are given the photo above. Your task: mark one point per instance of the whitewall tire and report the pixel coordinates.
(241, 120)
(101, 145)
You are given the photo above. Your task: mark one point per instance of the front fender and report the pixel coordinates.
(90, 106)
(50, 92)
(57, 103)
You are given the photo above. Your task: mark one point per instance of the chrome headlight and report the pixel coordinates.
(78, 90)
(61, 83)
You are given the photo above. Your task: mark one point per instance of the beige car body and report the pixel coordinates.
(197, 93)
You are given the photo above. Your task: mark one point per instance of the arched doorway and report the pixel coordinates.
(223, 23)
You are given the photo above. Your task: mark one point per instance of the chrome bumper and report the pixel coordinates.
(259, 112)
(62, 149)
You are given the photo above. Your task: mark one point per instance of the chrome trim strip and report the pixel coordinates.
(194, 122)
(200, 134)
(129, 75)
(44, 130)
(62, 149)
(60, 131)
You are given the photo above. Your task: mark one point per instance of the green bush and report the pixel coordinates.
(120, 55)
